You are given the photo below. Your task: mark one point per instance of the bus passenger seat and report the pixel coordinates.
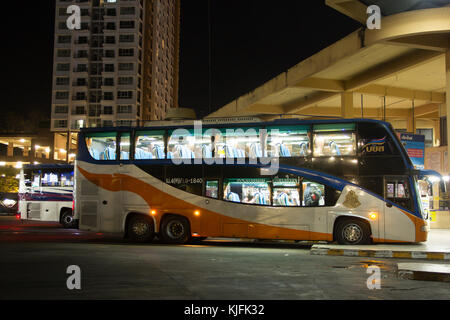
(110, 154)
(124, 155)
(284, 151)
(142, 155)
(260, 199)
(95, 154)
(334, 148)
(233, 197)
(206, 152)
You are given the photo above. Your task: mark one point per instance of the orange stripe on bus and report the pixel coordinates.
(209, 223)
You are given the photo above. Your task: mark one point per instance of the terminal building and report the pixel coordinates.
(399, 73)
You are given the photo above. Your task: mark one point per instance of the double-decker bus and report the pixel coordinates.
(46, 193)
(349, 181)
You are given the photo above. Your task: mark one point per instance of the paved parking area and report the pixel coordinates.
(34, 260)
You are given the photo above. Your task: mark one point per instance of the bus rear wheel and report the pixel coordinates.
(352, 232)
(141, 229)
(67, 219)
(175, 229)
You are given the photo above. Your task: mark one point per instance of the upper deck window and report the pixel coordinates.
(125, 144)
(181, 144)
(102, 146)
(332, 140)
(149, 145)
(288, 141)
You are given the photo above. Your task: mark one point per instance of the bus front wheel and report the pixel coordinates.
(352, 232)
(141, 229)
(175, 229)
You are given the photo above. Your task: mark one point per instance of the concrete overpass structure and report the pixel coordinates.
(400, 73)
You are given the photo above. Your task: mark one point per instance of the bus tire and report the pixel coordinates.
(352, 232)
(176, 230)
(141, 229)
(67, 219)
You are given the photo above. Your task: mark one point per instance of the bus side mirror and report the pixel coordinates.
(388, 205)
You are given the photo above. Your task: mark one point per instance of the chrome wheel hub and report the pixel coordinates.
(352, 233)
(140, 228)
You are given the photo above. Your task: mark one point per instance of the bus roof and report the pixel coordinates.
(223, 122)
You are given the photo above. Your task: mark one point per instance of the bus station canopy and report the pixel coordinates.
(397, 72)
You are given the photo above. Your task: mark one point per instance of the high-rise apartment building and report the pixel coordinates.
(120, 68)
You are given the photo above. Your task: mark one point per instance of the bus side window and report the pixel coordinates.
(397, 191)
(334, 140)
(102, 146)
(150, 145)
(248, 191)
(313, 194)
(286, 192)
(212, 189)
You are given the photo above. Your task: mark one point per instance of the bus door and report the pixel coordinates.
(398, 225)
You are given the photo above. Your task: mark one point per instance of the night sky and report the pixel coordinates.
(253, 41)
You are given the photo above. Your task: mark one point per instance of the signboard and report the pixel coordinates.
(415, 146)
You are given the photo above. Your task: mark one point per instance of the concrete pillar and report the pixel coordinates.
(347, 104)
(437, 133)
(10, 151)
(447, 91)
(411, 123)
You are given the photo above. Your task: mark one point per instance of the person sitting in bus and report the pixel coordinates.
(312, 196)
(233, 197)
(159, 151)
(334, 148)
(304, 149)
(110, 154)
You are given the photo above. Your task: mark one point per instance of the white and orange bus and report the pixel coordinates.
(349, 181)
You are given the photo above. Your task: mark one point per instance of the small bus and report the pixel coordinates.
(46, 193)
(346, 180)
